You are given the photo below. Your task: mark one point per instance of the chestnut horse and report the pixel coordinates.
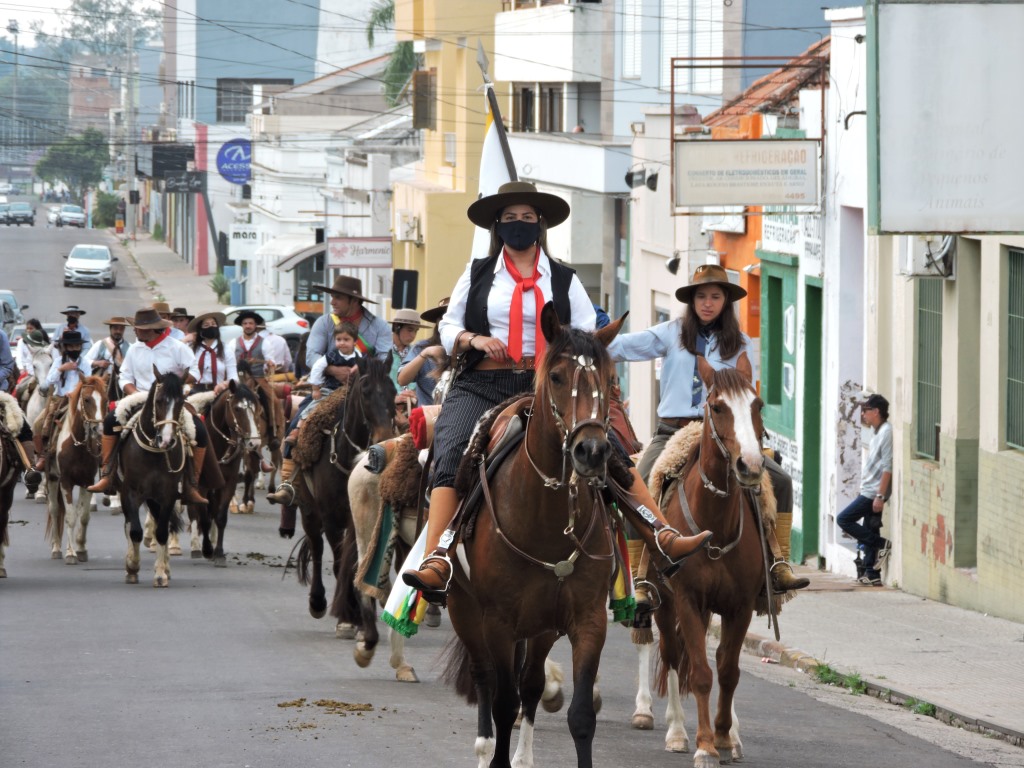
(540, 560)
(73, 462)
(151, 465)
(321, 489)
(714, 492)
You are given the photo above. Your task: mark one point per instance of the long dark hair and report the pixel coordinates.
(34, 323)
(728, 337)
(197, 342)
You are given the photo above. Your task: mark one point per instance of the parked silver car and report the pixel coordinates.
(89, 264)
(71, 216)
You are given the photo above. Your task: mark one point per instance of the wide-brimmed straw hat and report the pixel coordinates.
(70, 337)
(407, 317)
(484, 212)
(347, 286)
(149, 318)
(118, 321)
(250, 315)
(72, 308)
(434, 314)
(710, 274)
(197, 322)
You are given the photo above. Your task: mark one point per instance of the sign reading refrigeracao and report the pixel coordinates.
(234, 160)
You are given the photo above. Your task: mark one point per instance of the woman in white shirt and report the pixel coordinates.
(216, 367)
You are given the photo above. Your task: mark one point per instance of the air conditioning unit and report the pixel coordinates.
(407, 226)
(930, 256)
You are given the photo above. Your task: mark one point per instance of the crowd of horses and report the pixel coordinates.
(542, 506)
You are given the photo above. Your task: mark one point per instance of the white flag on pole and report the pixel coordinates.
(493, 173)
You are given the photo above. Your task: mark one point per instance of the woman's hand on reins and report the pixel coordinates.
(492, 347)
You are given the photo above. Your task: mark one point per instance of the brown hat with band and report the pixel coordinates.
(162, 307)
(197, 322)
(407, 317)
(347, 286)
(710, 274)
(118, 321)
(434, 314)
(484, 212)
(149, 318)
(181, 312)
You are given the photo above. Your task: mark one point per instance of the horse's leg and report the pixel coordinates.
(317, 593)
(553, 698)
(130, 507)
(467, 621)
(173, 544)
(6, 500)
(699, 682)
(404, 673)
(217, 511)
(587, 637)
(727, 657)
(161, 534)
(55, 510)
(148, 536)
(71, 514)
(194, 533)
(80, 531)
(671, 650)
(643, 715)
(532, 685)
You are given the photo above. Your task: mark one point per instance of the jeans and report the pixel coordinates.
(849, 521)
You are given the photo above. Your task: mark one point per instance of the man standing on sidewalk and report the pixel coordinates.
(875, 486)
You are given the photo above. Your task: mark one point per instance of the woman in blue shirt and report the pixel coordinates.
(708, 329)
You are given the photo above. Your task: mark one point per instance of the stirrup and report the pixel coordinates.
(652, 592)
(276, 498)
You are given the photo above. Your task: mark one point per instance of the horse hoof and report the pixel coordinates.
(55, 555)
(343, 631)
(3, 573)
(433, 617)
(160, 582)
(174, 551)
(362, 655)
(131, 578)
(220, 561)
(554, 703)
(704, 759)
(105, 501)
(678, 744)
(406, 674)
(40, 498)
(318, 609)
(70, 560)
(30, 495)
(642, 721)
(82, 555)
(737, 753)
(197, 554)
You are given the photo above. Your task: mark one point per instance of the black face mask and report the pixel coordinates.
(518, 235)
(72, 354)
(209, 333)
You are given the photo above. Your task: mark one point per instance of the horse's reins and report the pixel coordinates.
(563, 568)
(94, 451)
(234, 443)
(148, 443)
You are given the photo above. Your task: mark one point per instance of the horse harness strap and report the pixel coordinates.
(773, 617)
(714, 553)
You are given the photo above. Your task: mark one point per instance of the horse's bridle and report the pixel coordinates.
(90, 427)
(149, 443)
(234, 443)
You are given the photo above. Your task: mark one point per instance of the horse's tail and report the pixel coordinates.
(345, 605)
(672, 646)
(302, 562)
(457, 669)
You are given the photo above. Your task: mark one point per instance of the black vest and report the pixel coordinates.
(481, 277)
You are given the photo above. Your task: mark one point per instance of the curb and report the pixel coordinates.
(149, 284)
(804, 662)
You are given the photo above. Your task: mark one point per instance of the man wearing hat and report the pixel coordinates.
(109, 353)
(180, 319)
(424, 357)
(32, 476)
(347, 302)
(164, 310)
(405, 324)
(249, 346)
(65, 373)
(156, 351)
(73, 313)
(875, 486)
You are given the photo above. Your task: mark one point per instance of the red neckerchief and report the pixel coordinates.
(213, 362)
(515, 318)
(247, 351)
(163, 335)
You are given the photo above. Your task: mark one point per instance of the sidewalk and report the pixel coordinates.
(969, 665)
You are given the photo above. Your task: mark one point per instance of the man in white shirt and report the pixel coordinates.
(65, 373)
(164, 310)
(109, 352)
(155, 349)
(275, 350)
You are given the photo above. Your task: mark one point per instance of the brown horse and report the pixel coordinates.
(11, 421)
(321, 491)
(272, 428)
(73, 463)
(540, 560)
(151, 465)
(714, 492)
(233, 422)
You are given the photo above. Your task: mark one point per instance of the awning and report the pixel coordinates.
(287, 251)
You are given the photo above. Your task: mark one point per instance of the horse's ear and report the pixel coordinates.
(389, 361)
(232, 385)
(549, 324)
(743, 366)
(610, 331)
(156, 373)
(707, 373)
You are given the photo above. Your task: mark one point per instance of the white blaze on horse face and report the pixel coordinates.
(252, 432)
(743, 428)
(96, 417)
(167, 431)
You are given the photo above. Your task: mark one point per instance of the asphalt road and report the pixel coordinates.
(32, 265)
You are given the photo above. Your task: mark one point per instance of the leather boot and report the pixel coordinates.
(435, 571)
(106, 481)
(652, 526)
(37, 443)
(190, 485)
(32, 477)
(285, 493)
(286, 528)
(783, 578)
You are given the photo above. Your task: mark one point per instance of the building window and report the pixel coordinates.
(424, 99)
(929, 367)
(523, 97)
(450, 147)
(632, 42)
(234, 96)
(691, 28)
(551, 113)
(1015, 351)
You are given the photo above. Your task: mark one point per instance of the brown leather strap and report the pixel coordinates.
(487, 364)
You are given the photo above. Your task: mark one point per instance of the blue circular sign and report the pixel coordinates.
(234, 161)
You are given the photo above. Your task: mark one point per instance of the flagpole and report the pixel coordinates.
(492, 102)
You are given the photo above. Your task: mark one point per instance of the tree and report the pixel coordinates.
(101, 27)
(402, 62)
(77, 161)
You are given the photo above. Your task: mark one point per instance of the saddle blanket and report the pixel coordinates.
(13, 418)
(129, 409)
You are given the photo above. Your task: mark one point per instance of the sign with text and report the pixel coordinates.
(234, 161)
(244, 242)
(345, 252)
(746, 172)
(185, 181)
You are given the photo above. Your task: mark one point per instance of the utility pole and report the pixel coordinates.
(130, 138)
(12, 27)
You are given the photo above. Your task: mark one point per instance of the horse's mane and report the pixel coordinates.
(171, 386)
(729, 380)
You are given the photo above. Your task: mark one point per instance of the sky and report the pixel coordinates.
(27, 11)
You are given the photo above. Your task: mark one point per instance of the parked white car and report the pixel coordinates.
(52, 213)
(90, 264)
(71, 216)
